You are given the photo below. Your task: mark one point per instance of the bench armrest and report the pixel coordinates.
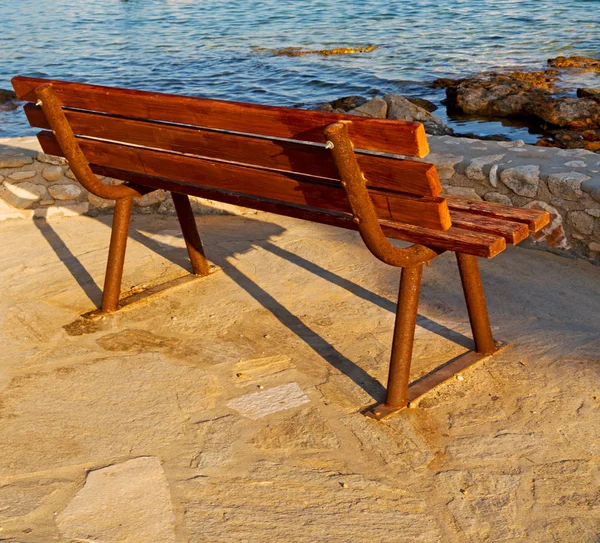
(77, 161)
(363, 210)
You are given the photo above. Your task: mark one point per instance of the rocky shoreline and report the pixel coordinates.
(539, 98)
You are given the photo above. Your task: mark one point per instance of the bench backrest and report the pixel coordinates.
(262, 151)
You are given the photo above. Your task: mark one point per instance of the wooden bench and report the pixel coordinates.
(320, 167)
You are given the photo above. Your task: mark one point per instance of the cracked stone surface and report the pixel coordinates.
(122, 428)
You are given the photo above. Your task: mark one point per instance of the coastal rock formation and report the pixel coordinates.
(535, 96)
(391, 106)
(299, 52)
(8, 100)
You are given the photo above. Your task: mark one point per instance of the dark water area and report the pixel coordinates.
(212, 48)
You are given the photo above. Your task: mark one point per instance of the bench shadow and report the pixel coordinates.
(219, 253)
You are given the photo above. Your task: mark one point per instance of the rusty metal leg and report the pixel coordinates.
(478, 314)
(116, 255)
(190, 233)
(404, 334)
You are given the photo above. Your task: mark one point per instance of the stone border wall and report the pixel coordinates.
(564, 182)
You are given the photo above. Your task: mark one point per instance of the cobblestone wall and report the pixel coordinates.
(564, 182)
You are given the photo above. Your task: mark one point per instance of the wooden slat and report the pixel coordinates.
(406, 176)
(397, 137)
(535, 219)
(454, 239)
(283, 186)
(512, 232)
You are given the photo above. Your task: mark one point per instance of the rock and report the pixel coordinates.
(475, 169)
(100, 203)
(575, 164)
(581, 221)
(22, 175)
(52, 173)
(592, 146)
(444, 82)
(493, 175)
(123, 502)
(66, 210)
(216, 438)
(445, 163)
(498, 198)
(64, 192)
(553, 233)
(376, 108)
(7, 96)
(14, 161)
(51, 159)
(21, 195)
(260, 404)
(523, 180)
(9, 212)
(584, 63)
(577, 113)
(463, 192)
(421, 102)
(593, 246)
(305, 430)
(348, 102)
(260, 369)
(567, 185)
(593, 212)
(594, 94)
(399, 108)
(151, 198)
(592, 187)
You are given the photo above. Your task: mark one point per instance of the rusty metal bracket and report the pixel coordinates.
(353, 181)
(79, 164)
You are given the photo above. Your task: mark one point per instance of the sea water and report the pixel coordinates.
(215, 48)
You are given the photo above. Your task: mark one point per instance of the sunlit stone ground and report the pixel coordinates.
(138, 429)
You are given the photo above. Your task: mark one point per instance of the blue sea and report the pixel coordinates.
(212, 48)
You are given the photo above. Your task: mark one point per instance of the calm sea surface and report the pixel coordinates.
(208, 47)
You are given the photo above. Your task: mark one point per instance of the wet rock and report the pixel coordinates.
(7, 96)
(594, 94)
(124, 502)
(399, 108)
(523, 180)
(348, 102)
(566, 185)
(566, 112)
(582, 63)
(299, 52)
(421, 102)
(375, 108)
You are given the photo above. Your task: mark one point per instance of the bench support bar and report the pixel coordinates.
(404, 334)
(116, 255)
(190, 233)
(476, 306)
(422, 387)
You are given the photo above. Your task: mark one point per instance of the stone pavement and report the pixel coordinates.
(228, 409)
